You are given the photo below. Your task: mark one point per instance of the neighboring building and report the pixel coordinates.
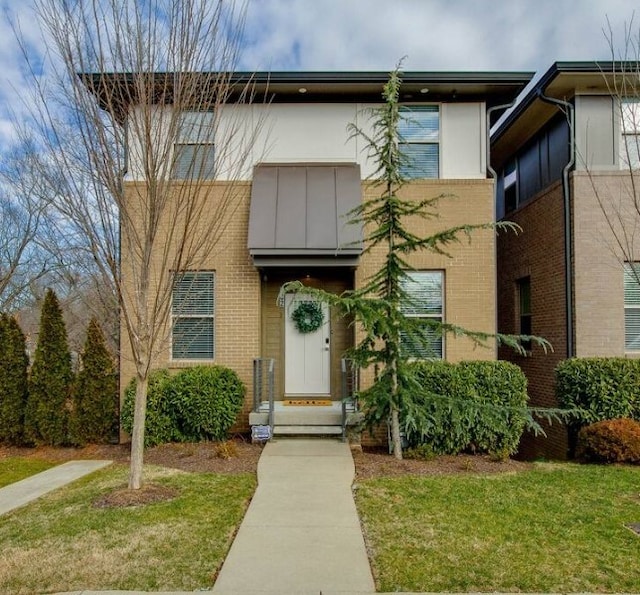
(307, 172)
(564, 277)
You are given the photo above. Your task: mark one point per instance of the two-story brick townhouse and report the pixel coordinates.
(290, 224)
(564, 277)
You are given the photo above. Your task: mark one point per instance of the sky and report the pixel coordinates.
(458, 35)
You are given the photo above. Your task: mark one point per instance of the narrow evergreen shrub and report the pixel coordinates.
(160, 427)
(50, 382)
(14, 364)
(94, 418)
(471, 406)
(599, 388)
(610, 441)
(205, 401)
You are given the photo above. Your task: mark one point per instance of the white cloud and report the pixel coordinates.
(434, 34)
(375, 34)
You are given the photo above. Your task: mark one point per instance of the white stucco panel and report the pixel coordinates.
(463, 140)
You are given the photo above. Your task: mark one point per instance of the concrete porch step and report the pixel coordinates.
(293, 430)
(330, 415)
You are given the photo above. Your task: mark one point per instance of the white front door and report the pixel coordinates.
(306, 355)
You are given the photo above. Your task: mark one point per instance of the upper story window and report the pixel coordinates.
(524, 311)
(425, 290)
(192, 313)
(419, 131)
(630, 146)
(632, 306)
(194, 154)
(510, 186)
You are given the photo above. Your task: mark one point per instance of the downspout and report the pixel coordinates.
(566, 193)
(494, 176)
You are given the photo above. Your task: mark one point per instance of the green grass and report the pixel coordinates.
(558, 528)
(14, 469)
(64, 543)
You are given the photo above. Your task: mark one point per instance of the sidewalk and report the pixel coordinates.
(22, 492)
(301, 533)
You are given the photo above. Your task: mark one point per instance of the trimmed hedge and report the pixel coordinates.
(205, 401)
(610, 441)
(599, 388)
(199, 403)
(159, 425)
(471, 406)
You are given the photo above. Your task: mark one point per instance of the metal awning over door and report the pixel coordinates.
(299, 215)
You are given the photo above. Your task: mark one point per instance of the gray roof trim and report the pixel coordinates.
(116, 91)
(300, 211)
(557, 69)
(280, 262)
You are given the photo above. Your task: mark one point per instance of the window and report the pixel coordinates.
(630, 147)
(194, 156)
(192, 313)
(424, 290)
(632, 306)
(419, 131)
(510, 178)
(524, 310)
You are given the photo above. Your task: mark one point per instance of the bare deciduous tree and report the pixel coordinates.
(128, 113)
(620, 202)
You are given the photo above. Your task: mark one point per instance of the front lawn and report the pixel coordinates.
(557, 528)
(14, 469)
(64, 542)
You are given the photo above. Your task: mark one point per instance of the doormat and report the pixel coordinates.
(311, 402)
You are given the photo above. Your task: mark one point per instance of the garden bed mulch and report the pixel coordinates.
(240, 456)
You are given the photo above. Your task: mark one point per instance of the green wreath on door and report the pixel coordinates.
(308, 317)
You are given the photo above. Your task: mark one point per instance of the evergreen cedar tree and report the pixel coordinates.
(95, 402)
(50, 382)
(14, 364)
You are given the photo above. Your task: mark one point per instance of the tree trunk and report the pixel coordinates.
(395, 434)
(395, 417)
(137, 437)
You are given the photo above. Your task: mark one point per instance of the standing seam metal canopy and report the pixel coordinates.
(299, 215)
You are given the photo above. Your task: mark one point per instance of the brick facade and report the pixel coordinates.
(248, 324)
(536, 252)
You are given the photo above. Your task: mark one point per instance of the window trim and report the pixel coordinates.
(441, 316)
(629, 307)
(407, 108)
(623, 152)
(175, 317)
(195, 131)
(520, 283)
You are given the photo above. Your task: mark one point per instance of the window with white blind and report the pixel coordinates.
(524, 311)
(194, 151)
(425, 299)
(630, 146)
(192, 312)
(632, 306)
(419, 131)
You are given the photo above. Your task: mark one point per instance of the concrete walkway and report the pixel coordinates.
(22, 492)
(301, 533)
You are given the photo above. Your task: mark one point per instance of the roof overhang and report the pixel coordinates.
(300, 215)
(116, 92)
(564, 80)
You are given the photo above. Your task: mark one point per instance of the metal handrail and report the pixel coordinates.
(271, 381)
(350, 381)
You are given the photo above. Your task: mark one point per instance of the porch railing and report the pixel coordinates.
(350, 379)
(263, 385)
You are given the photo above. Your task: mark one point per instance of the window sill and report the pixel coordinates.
(189, 363)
